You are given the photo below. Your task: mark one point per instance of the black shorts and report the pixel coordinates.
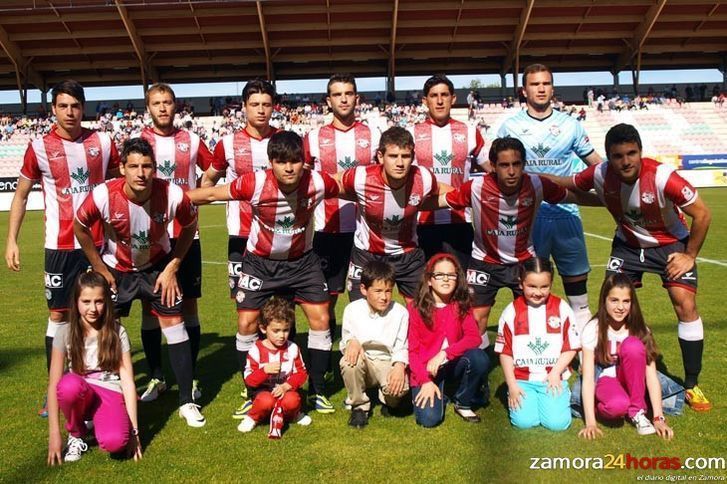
(635, 261)
(140, 285)
(62, 268)
(235, 251)
(260, 278)
(408, 268)
(334, 251)
(484, 280)
(455, 239)
(189, 274)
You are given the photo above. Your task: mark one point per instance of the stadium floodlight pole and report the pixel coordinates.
(266, 44)
(390, 80)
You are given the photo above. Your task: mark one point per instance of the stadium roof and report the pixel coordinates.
(117, 42)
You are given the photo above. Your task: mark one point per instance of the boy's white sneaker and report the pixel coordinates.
(642, 424)
(190, 413)
(246, 425)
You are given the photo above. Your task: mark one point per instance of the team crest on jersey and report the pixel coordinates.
(554, 322)
(363, 143)
(459, 138)
(648, 197)
(414, 200)
(93, 151)
(183, 147)
(554, 130)
(159, 217)
(527, 201)
(687, 192)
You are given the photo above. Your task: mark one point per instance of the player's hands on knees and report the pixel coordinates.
(281, 389)
(272, 368)
(353, 352)
(54, 449)
(167, 283)
(555, 384)
(515, 396)
(396, 379)
(427, 395)
(12, 256)
(678, 264)
(590, 432)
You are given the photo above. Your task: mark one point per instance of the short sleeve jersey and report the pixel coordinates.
(282, 223)
(589, 341)
(503, 223)
(332, 150)
(93, 374)
(552, 146)
(136, 235)
(237, 154)
(386, 218)
(177, 158)
(647, 212)
(68, 171)
(536, 336)
(448, 152)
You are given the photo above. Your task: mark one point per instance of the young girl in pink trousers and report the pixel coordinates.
(619, 367)
(99, 384)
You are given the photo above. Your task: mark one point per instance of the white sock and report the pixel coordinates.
(691, 330)
(176, 334)
(320, 340)
(52, 327)
(583, 314)
(245, 342)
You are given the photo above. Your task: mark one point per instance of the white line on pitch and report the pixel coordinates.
(214, 262)
(699, 259)
(212, 226)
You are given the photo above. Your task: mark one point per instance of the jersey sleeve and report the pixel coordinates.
(478, 153)
(589, 336)
(330, 186)
(679, 190)
(434, 190)
(503, 132)
(243, 187)
(254, 373)
(552, 193)
(307, 157)
(60, 340)
(186, 212)
(460, 198)
(348, 180)
(114, 158)
(503, 342)
(219, 159)
(89, 213)
(204, 156)
(585, 179)
(125, 342)
(571, 338)
(299, 375)
(581, 143)
(30, 168)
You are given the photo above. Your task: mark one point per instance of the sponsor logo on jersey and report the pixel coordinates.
(393, 221)
(93, 152)
(415, 200)
(373, 198)
(477, 278)
(118, 215)
(57, 155)
(614, 264)
(689, 276)
(447, 170)
(53, 281)
(540, 150)
(80, 175)
(183, 147)
(140, 240)
(234, 269)
(167, 168)
(347, 163)
(443, 157)
(648, 197)
(284, 226)
(249, 283)
(509, 221)
(354, 272)
(538, 346)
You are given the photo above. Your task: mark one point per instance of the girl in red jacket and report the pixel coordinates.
(443, 343)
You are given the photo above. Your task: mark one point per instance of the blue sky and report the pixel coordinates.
(709, 76)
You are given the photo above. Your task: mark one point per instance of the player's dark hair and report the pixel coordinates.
(139, 146)
(345, 78)
(377, 270)
(396, 136)
(109, 342)
(532, 69)
(277, 309)
(70, 87)
(634, 321)
(504, 144)
(161, 88)
(535, 265)
(424, 300)
(257, 86)
(285, 146)
(435, 80)
(622, 133)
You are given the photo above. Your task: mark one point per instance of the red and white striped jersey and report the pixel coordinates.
(386, 219)
(332, 150)
(236, 154)
(292, 368)
(503, 223)
(647, 212)
(68, 172)
(447, 151)
(282, 223)
(536, 336)
(177, 158)
(136, 235)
